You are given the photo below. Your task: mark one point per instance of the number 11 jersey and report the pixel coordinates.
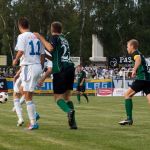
(31, 47)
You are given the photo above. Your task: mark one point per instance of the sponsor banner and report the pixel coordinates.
(91, 85)
(118, 92)
(116, 61)
(121, 91)
(105, 92)
(3, 85)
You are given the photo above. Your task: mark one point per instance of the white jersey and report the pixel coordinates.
(32, 48)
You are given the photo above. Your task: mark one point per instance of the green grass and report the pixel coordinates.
(97, 121)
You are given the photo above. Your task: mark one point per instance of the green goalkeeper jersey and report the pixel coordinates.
(142, 71)
(60, 54)
(80, 76)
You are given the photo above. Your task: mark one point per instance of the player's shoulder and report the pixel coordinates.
(25, 34)
(135, 53)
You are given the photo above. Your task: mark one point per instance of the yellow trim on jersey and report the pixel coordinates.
(136, 56)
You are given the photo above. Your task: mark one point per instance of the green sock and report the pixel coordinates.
(62, 104)
(85, 97)
(129, 107)
(70, 104)
(78, 97)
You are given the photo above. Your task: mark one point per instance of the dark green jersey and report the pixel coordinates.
(60, 54)
(142, 71)
(80, 76)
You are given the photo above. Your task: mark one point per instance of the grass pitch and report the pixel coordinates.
(97, 122)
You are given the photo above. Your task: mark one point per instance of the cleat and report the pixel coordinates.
(20, 123)
(126, 122)
(33, 127)
(71, 120)
(74, 126)
(37, 116)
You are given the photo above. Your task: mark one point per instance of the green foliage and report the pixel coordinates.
(114, 21)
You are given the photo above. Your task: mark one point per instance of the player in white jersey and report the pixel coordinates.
(32, 52)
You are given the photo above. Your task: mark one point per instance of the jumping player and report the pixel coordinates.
(63, 70)
(142, 79)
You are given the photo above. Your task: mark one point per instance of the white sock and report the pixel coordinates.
(31, 112)
(22, 99)
(18, 109)
(35, 109)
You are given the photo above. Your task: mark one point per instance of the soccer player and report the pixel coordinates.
(142, 79)
(81, 77)
(32, 52)
(63, 70)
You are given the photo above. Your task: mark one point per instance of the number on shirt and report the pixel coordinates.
(33, 49)
(66, 53)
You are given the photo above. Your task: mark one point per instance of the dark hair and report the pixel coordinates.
(56, 27)
(134, 43)
(23, 22)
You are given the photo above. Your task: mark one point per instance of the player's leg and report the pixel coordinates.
(72, 121)
(69, 77)
(32, 76)
(17, 107)
(136, 86)
(61, 102)
(22, 99)
(59, 88)
(31, 110)
(84, 94)
(78, 94)
(128, 107)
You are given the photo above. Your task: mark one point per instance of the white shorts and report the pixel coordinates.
(30, 75)
(17, 85)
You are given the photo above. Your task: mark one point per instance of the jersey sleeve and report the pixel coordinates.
(20, 46)
(135, 55)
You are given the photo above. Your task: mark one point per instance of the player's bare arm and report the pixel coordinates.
(46, 44)
(47, 73)
(42, 60)
(18, 56)
(17, 75)
(137, 64)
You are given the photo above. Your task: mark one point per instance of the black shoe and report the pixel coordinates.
(126, 122)
(74, 126)
(71, 120)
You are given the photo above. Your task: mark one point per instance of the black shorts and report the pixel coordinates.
(63, 81)
(81, 88)
(141, 85)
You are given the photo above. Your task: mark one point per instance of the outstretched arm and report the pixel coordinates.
(46, 44)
